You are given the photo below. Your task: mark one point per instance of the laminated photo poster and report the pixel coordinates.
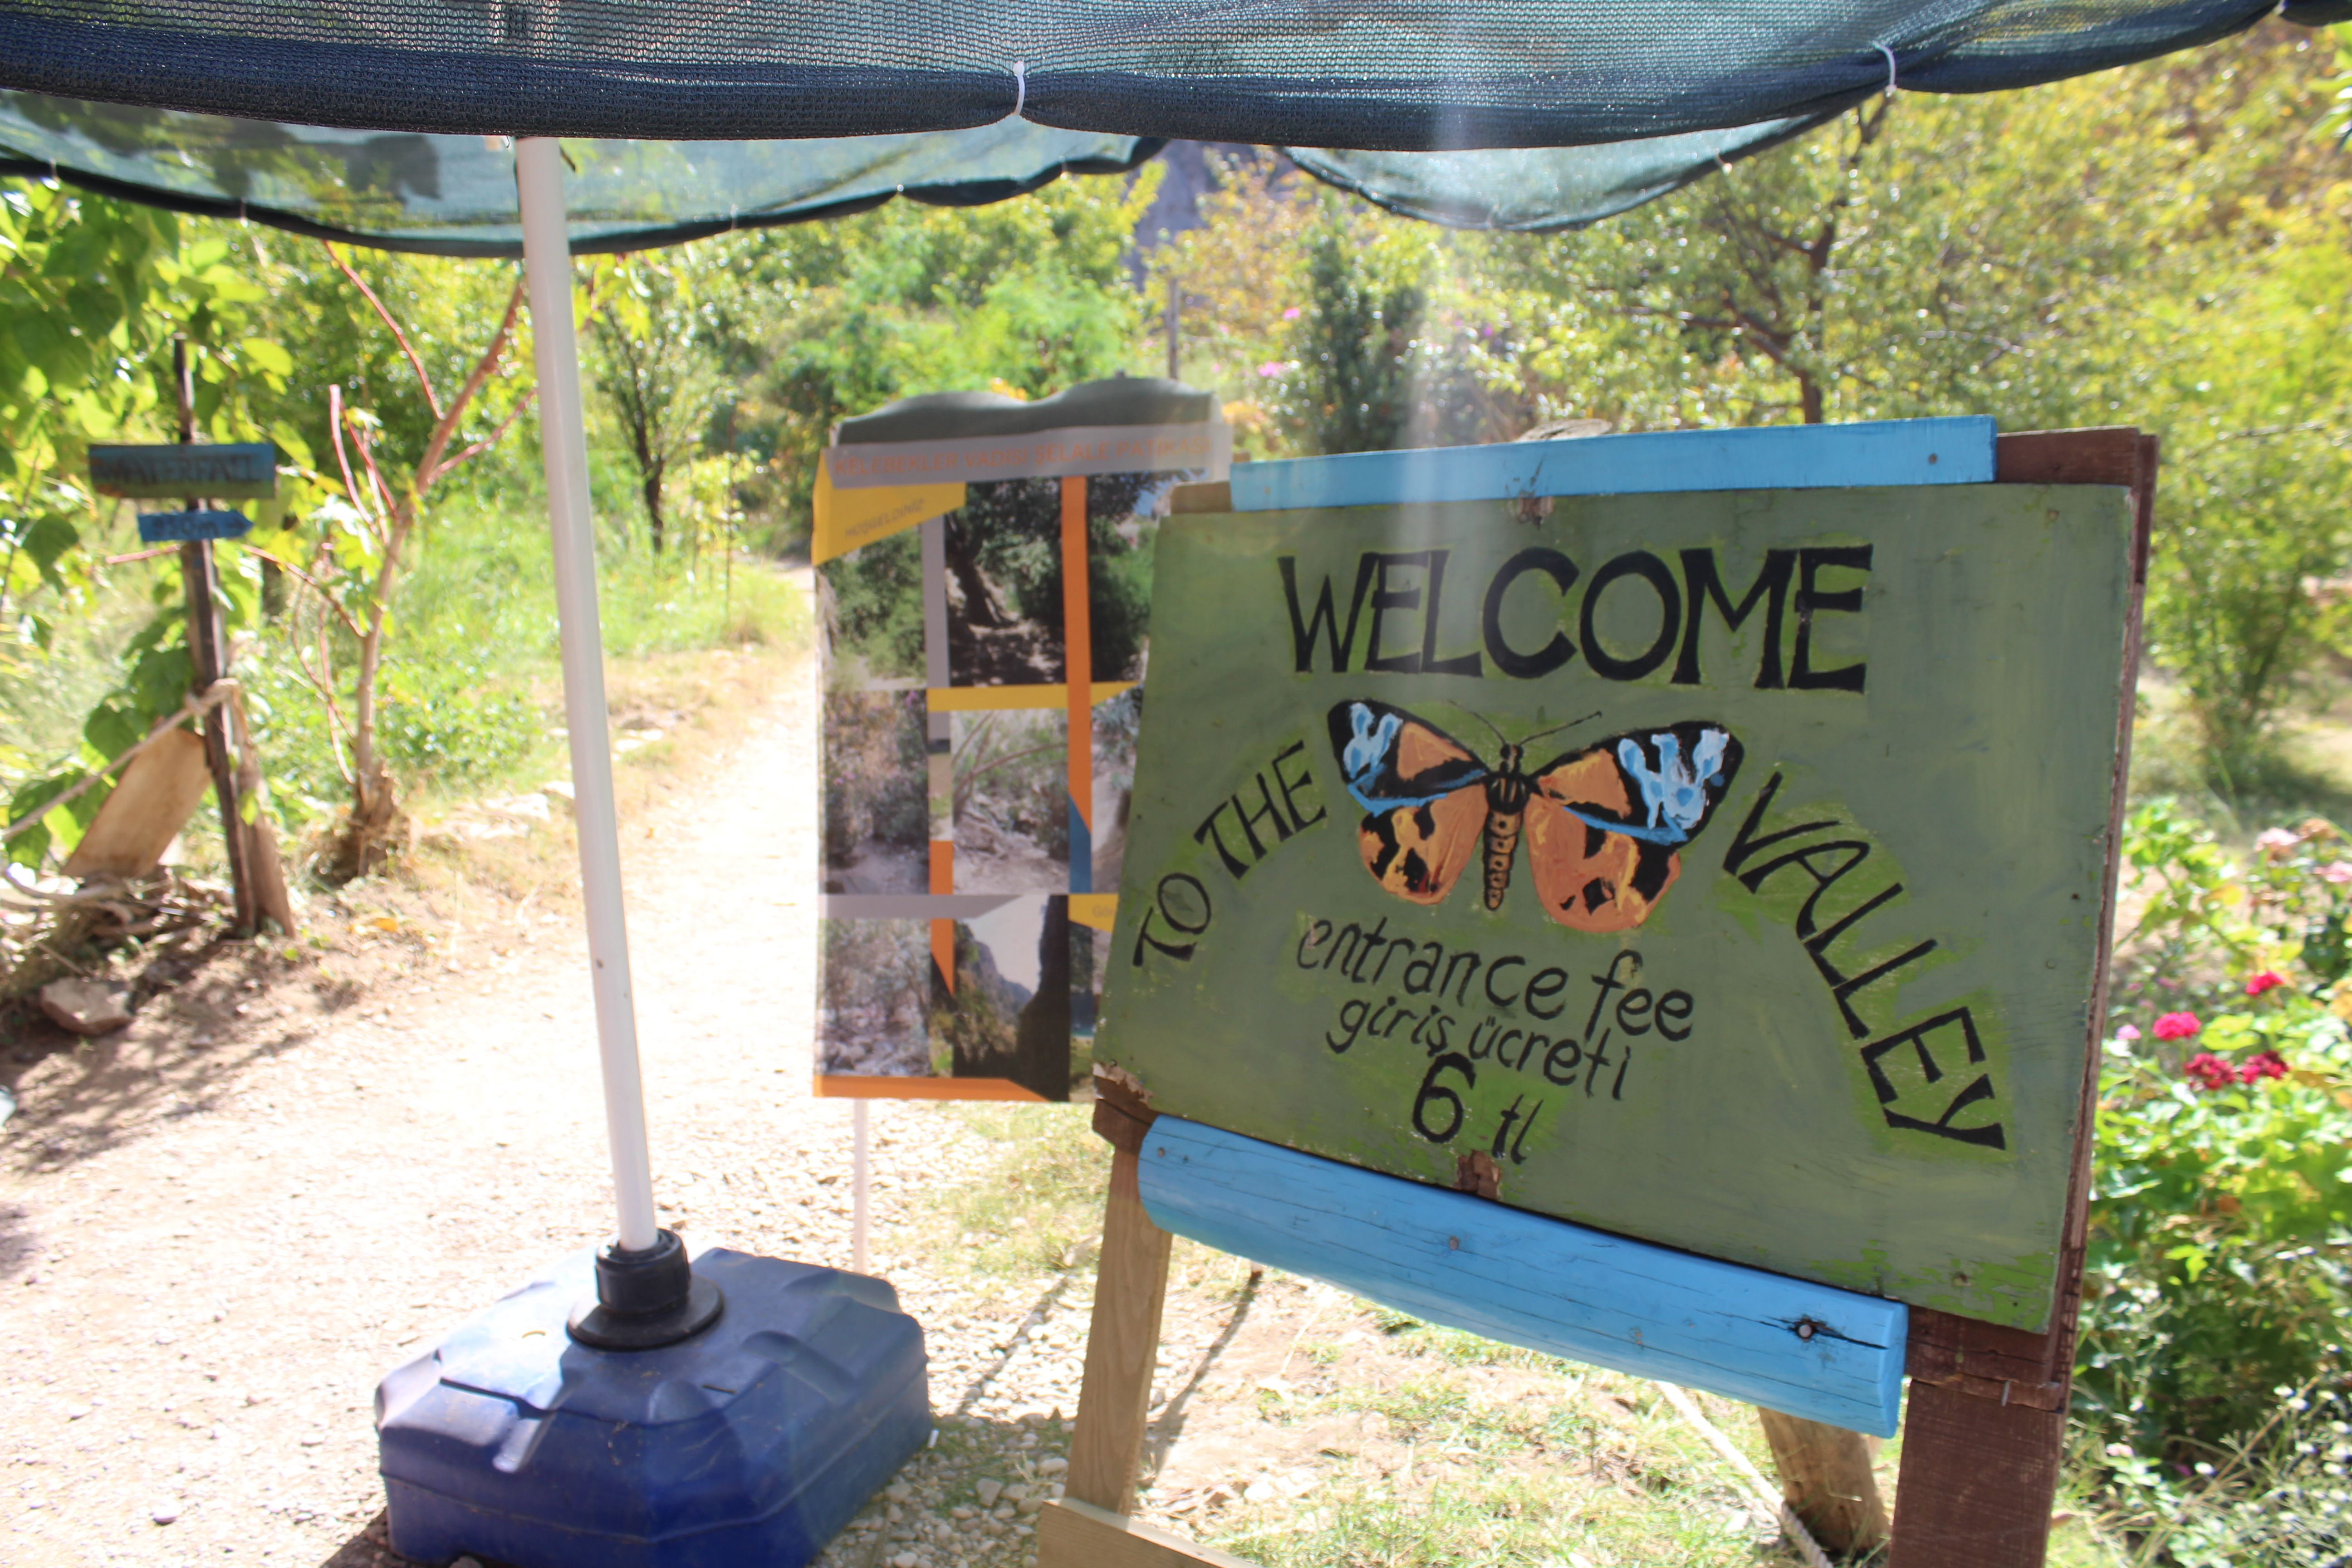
(984, 578)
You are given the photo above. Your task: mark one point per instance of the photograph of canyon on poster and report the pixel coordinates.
(1726, 871)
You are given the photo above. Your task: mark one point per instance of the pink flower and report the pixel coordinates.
(2128, 1033)
(2177, 1026)
(1291, 314)
(2267, 1064)
(2268, 980)
(2274, 842)
(2209, 1071)
(2336, 872)
(1272, 368)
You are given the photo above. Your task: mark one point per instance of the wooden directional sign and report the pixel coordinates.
(1720, 870)
(247, 471)
(185, 527)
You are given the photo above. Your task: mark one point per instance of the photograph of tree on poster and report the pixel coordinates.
(872, 604)
(1004, 585)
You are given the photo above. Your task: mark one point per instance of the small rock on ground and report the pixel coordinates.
(87, 1007)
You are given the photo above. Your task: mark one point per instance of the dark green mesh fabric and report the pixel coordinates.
(1391, 74)
(365, 119)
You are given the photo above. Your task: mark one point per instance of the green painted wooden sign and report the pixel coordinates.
(1726, 871)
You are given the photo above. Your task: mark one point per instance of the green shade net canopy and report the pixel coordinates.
(455, 195)
(367, 118)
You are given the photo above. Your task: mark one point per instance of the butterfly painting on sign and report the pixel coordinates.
(1603, 823)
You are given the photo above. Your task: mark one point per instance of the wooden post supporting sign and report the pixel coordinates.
(1987, 1419)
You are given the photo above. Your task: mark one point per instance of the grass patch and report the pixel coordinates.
(471, 694)
(1454, 1346)
(1033, 1204)
(1457, 1506)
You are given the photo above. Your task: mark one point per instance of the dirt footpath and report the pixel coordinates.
(220, 1228)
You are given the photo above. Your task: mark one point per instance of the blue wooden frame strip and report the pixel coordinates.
(1788, 1345)
(1954, 452)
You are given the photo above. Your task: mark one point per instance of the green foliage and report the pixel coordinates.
(445, 722)
(875, 786)
(470, 662)
(1011, 777)
(155, 673)
(1029, 296)
(878, 989)
(2263, 395)
(447, 309)
(1119, 585)
(1011, 531)
(93, 292)
(2219, 1219)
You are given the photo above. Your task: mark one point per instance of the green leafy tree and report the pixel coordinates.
(2161, 246)
(657, 361)
(1355, 339)
(2260, 389)
(361, 536)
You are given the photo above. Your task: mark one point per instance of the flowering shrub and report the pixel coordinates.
(2262, 1065)
(2210, 1071)
(2217, 1286)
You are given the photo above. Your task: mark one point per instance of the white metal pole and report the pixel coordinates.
(563, 441)
(857, 1190)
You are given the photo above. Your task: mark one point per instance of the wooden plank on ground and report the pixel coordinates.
(1071, 1534)
(1809, 1350)
(1122, 1348)
(153, 800)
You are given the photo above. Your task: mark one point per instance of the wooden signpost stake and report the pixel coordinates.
(1987, 1399)
(256, 878)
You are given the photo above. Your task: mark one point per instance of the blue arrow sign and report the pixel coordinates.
(181, 527)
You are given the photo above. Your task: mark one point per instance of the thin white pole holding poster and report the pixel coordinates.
(563, 441)
(857, 1190)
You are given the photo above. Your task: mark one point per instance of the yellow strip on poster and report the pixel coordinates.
(847, 519)
(999, 699)
(1094, 909)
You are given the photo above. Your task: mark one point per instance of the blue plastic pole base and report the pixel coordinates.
(752, 1442)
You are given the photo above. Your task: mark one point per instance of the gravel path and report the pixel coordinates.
(219, 1227)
